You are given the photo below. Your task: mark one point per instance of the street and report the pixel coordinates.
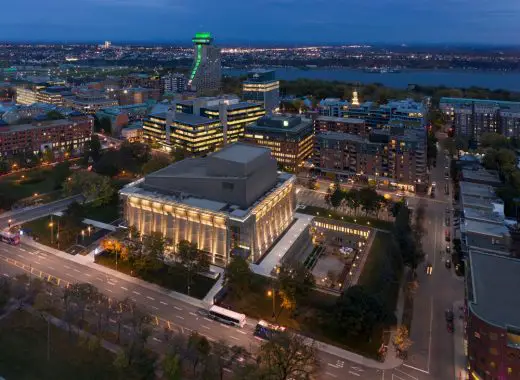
(430, 357)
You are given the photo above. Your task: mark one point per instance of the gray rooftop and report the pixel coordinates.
(478, 190)
(348, 120)
(484, 228)
(36, 125)
(493, 279)
(186, 118)
(240, 152)
(280, 124)
(340, 136)
(480, 175)
(234, 106)
(483, 215)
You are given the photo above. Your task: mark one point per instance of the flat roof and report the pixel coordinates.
(479, 214)
(234, 106)
(484, 228)
(186, 118)
(471, 188)
(41, 124)
(481, 101)
(341, 136)
(349, 120)
(240, 152)
(493, 278)
(479, 175)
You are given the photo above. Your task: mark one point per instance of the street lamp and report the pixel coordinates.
(82, 236)
(271, 293)
(88, 228)
(9, 223)
(51, 225)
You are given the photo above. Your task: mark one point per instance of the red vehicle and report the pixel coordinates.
(447, 235)
(10, 237)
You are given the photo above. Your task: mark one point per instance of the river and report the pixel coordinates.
(450, 78)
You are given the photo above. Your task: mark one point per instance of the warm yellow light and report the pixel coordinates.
(269, 293)
(51, 224)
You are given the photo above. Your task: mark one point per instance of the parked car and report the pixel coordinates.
(448, 263)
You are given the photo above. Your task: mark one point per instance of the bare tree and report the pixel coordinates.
(287, 356)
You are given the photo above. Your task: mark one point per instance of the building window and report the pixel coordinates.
(493, 351)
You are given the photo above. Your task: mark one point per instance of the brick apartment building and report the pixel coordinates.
(341, 124)
(57, 135)
(389, 157)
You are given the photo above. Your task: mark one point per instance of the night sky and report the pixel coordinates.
(264, 21)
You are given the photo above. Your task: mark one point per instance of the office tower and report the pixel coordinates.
(205, 74)
(175, 82)
(107, 45)
(201, 125)
(231, 200)
(261, 86)
(289, 138)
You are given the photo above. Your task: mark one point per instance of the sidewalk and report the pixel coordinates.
(391, 360)
(459, 360)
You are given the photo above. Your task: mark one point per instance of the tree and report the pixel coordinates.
(287, 356)
(82, 294)
(337, 197)
(178, 154)
(172, 366)
(191, 259)
(94, 149)
(54, 115)
(199, 349)
(358, 312)
(493, 140)
(94, 187)
(105, 125)
(401, 339)
(60, 173)
(368, 199)
(48, 155)
(155, 163)
(237, 277)
(296, 282)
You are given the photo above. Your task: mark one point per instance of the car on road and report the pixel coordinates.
(429, 269)
(447, 221)
(448, 249)
(448, 263)
(449, 315)
(447, 235)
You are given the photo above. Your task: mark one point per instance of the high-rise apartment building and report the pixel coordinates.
(261, 86)
(291, 139)
(175, 82)
(473, 117)
(390, 157)
(205, 76)
(341, 124)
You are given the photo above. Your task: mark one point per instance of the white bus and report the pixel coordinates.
(227, 316)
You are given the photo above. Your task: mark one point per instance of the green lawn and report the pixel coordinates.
(361, 220)
(106, 213)
(310, 318)
(17, 186)
(23, 352)
(168, 277)
(376, 277)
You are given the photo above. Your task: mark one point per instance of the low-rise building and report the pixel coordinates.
(133, 132)
(479, 175)
(233, 199)
(137, 95)
(333, 107)
(89, 101)
(291, 139)
(493, 316)
(56, 135)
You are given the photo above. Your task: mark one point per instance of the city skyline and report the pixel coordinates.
(272, 21)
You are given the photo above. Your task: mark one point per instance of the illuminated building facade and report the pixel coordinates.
(492, 328)
(233, 199)
(26, 96)
(474, 117)
(262, 86)
(201, 125)
(291, 139)
(409, 112)
(57, 135)
(206, 72)
(54, 95)
(395, 157)
(175, 82)
(341, 124)
(89, 101)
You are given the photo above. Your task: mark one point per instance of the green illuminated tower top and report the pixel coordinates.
(202, 39)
